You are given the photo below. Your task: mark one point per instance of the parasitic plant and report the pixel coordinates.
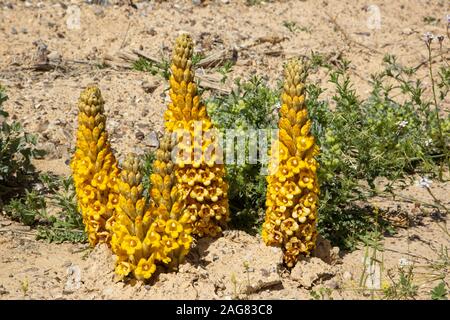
(292, 192)
(167, 206)
(132, 222)
(94, 168)
(145, 236)
(199, 176)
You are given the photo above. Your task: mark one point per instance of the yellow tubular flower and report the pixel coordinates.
(292, 192)
(94, 168)
(199, 179)
(130, 227)
(145, 269)
(171, 224)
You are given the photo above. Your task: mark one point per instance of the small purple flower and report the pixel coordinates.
(448, 18)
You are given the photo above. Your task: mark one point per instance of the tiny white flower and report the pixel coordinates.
(424, 182)
(428, 142)
(277, 106)
(428, 37)
(402, 124)
(402, 262)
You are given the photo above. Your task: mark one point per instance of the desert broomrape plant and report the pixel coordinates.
(199, 176)
(131, 224)
(292, 192)
(94, 168)
(167, 206)
(147, 235)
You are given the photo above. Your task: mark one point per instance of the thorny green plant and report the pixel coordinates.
(67, 223)
(29, 209)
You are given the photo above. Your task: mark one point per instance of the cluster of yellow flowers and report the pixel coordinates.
(167, 206)
(94, 168)
(293, 189)
(144, 236)
(188, 194)
(199, 176)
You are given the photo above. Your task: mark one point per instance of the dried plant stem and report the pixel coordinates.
(441, 135)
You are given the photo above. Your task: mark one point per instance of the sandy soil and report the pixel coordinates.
(45, 102)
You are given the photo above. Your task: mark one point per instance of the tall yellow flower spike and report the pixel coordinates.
(292, 192)
(132, 224)
(145, 236)
(94, 168)
(200, 180)
(167, 206)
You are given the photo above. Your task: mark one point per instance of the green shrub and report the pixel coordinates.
(65, 223)
(384, 135)
(251, 105)
(17, 149)
(392, 132)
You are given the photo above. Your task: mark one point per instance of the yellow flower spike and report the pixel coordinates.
(97, 210)
(205, 212)
(284, 173)
(93, 167)
(159, 225)
(292, 191)
(133, 241)
(197, 173)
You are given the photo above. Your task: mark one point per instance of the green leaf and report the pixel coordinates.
(439, 292)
